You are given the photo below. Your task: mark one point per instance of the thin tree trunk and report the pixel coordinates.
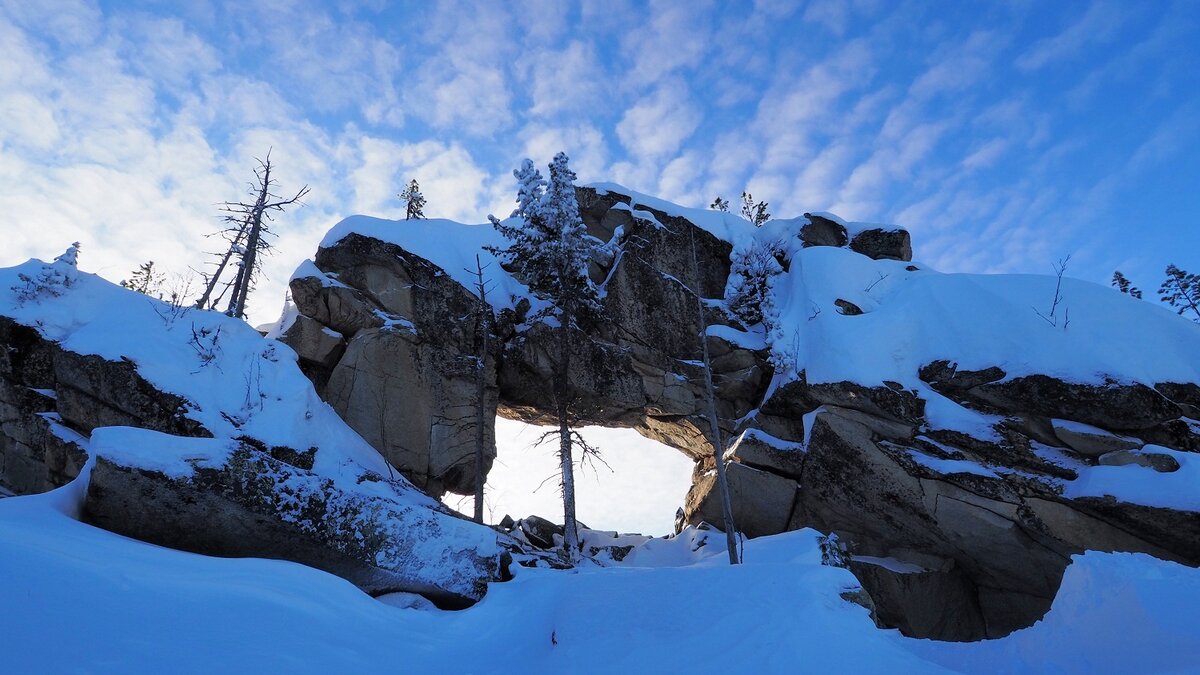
(561, 387)
(249, 258)
(713, 426)
(485, 313)
(215, 278)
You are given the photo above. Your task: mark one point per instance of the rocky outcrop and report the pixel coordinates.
(232, 499)
(160, 476)
(956, 532)
(51, 398)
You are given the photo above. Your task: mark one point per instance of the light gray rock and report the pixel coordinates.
(315, 343)
(1158, 461)
(762, 501)
(1090, 441)
(414, 404)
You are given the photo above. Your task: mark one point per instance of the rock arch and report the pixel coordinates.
(943, 549)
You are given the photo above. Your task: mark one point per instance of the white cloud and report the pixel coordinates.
(675, 36)
(659, 123)
(570, 80)
(583, 143)
(986, 155)
(1100, 23)
(959, 67)
(456, 92)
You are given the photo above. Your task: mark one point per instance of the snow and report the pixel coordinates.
(1143, 485)
(78, 598)
(950, 466)
(431, 239)
(1086, 429)
(172, 456)
(914, 317)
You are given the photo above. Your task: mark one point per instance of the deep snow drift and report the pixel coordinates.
(79, 599)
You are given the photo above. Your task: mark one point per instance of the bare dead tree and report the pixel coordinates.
(713, 425)
(484, 326)
(249, 226)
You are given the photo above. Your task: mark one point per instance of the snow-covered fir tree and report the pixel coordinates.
(751, 295)
(549, 251)
(414, 201)
(53, 279)
(749, 288)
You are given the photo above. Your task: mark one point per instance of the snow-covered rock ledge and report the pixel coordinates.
(205, 436)
(228, 498)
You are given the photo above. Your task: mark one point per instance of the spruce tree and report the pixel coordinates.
(754, 212)
(1125, 286)
(1181, 291)
(145, 279)
(549, 251)
(414, 201)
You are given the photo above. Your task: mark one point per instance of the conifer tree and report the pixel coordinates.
(549, 251)
(145, 279)
(719, 204)
(754, 212)
(1125, 286)
(414, 201)
(1181, 291)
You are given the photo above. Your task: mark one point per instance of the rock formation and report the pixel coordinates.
(955, 490)
(197, 434)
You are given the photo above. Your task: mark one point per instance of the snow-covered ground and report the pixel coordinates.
(75, 598)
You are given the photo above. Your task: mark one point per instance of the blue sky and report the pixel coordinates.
(1003, 135)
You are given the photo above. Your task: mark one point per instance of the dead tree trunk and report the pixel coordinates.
(251, 219)
(484, 327)
(209, 287)
(713, 424)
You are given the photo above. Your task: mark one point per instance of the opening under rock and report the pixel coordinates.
(646, 484)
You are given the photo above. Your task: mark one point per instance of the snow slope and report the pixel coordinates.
(79, 599)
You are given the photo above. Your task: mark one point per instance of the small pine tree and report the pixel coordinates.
(52, 280)
(755, 213)
(145, 279)
(1181, 291)
(414, 201)
(719, 204)
(1122, 284)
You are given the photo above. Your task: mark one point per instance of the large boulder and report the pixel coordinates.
(228, 498)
